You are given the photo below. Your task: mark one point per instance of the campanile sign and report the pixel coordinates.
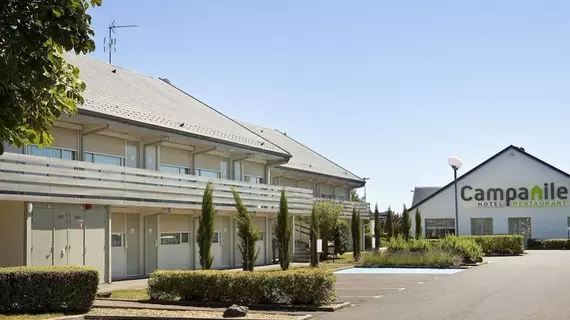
(547, 194)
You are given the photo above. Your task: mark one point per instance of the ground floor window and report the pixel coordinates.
(173, 238)
(481, 226)
(117, 240)
(439, 228)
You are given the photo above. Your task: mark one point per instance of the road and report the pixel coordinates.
(533, 286)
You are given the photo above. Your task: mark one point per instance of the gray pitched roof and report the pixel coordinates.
(302, 157)
(117, 92)
(421, 193)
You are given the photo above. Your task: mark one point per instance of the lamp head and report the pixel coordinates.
(454, 162)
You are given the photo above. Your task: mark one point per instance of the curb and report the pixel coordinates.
(111, 317)
(78, 317)
(253, 307)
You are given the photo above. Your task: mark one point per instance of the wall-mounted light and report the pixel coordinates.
(30, 207)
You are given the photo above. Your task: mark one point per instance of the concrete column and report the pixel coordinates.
(108, 262)
(267, 241)
(362, 235)
(28, 236)
(292, 236)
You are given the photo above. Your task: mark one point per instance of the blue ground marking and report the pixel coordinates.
(398, 271)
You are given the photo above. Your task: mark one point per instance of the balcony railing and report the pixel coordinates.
(33, 178)
(347, 206)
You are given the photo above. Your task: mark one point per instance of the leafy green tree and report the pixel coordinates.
(206, 228)
(329, 214)
(418, 224)
(283, 231)
(355, 228)
(377, 228)
(37, 86)
(389, 223)
(248, 235)
(314, 237)
(354, 196)
(406, 223)
(341, 237)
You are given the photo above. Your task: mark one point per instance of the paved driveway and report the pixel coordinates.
(533, 286)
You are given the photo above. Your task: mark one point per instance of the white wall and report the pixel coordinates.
(511, 169)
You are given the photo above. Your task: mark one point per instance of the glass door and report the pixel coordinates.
(520, 226)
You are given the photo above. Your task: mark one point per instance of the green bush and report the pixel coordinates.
(549, 244)
(465, 247)
(295, 286)
(435, 258)
(47, 289)
(398, 244)
(500, 244)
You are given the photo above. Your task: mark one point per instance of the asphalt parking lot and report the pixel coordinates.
(533, 286)
(363, 288)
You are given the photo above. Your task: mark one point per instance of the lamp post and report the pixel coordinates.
(455, 163)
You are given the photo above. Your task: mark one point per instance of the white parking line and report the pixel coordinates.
(375, 297)
(375, 288)
(401, 289)
(421, 282)
(435, 278)
(378, 296)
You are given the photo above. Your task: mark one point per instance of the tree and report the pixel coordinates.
(377, 228)
(406, 223)
(418, 224)
(206, 228)
(37, 86)
(355, 228)
(248, 235)
(354, 196)
(389, 223)
(341, 237)
(314, 237)
(283, 231)
(328, 214)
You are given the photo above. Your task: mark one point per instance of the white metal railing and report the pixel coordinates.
(347, 206)
(33, 178)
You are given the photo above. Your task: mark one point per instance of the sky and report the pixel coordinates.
(387, 89)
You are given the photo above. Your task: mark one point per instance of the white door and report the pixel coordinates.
(174, 251)
(217, 249)
(42, 237)
(260, 247)
(118, 256)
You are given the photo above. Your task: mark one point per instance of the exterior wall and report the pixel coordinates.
(12, 233)
(286, 182)
(208, 161)
(340, 191)
(305, 185)
(64, 138)
(103, 144)
(175, 157)
(325, 189)
(511, 169)
(253, 169)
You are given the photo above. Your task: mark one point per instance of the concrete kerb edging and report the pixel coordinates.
(216, 305)
(110, 317)
(76, 317)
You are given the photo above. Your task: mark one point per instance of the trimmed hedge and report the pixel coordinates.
(500, 244)
(398, 244)
(465, 247)
(549, 244)
(47, 289)
(301, 286)
(434, 258)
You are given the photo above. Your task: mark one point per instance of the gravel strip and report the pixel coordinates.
(172, 313)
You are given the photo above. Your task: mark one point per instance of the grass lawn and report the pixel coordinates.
(345, 259)
(31, 316)
(136, 294)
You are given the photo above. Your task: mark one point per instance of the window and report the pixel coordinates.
(275, 181)
(438, 228)
(208, 173)
(173, 238)
(237, 170)
(520, 226)
(117, 240)
(50, 152)
(253, 179)
(216, 237)
(481, 226)
(174, 169)
(332, 196)
(225, 168)
(104, 159)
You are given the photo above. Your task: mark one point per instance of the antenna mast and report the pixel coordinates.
(110, 44)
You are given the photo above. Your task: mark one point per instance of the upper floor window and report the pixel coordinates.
(174, 169)
(208, 173)
(104, 159)
(51, 152)
(253, 179)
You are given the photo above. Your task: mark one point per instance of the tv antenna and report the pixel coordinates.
(110, 44)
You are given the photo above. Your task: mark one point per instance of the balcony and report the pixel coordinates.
(33, 178)
(347, 206)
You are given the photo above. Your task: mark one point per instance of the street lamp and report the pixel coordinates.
(365, 179)
(455, 163)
